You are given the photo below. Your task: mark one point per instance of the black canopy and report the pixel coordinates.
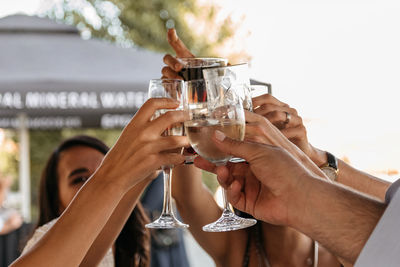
(49, 73)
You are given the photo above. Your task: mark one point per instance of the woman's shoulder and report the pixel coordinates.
(37, 235)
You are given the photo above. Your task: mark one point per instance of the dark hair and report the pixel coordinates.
(133, 243)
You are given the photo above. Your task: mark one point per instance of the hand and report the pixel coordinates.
(14, 221)
(141, 149)
(276, 112)
(267, 187)
(261, 130)
(173, 64)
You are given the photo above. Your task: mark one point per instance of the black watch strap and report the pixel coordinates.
(332, 161)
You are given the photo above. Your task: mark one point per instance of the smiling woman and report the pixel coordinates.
(67, 169)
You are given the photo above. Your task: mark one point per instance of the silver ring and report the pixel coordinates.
(288, 117)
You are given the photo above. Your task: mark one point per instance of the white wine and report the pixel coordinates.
(200, 132)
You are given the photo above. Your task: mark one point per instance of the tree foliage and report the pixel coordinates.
(143, 23)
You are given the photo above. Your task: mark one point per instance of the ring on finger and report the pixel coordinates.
(288, 117)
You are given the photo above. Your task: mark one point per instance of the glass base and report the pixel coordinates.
(229, 222)
(167, 221)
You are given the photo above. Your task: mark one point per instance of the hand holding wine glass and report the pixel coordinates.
(173, 89)
(215, 108)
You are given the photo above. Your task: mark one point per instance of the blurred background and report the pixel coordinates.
(336, 62)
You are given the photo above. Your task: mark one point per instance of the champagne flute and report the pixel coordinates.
(167, 88)
(215, 108)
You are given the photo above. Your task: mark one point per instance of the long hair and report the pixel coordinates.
(133, 243)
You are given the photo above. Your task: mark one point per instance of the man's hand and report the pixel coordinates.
(268, 187)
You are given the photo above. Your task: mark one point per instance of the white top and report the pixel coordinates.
(107, 261)
(383, 246)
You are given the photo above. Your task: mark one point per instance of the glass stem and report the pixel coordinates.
(227, 208)
(167, 206)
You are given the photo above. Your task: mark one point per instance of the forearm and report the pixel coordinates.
(80, 224)
(340, 219)
(114, 226)
(362, 181)
(354, 178)
(191, 196)
(197, 207)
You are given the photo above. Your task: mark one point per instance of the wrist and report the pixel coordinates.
(105, 177)
(318, 156)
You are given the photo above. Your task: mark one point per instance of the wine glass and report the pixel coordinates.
(192, 70)
(193, 66)
(212, 107)
(167, 88)
(236, 78)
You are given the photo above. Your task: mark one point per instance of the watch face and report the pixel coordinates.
(330, 172)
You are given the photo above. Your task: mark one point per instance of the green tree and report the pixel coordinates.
(143, 23)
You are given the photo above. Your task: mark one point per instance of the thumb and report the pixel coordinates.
(176, 44)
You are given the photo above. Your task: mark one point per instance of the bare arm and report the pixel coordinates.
(279, 189)
(356, 179)
(275, 111)
(345, 226)
(114, 226)
(137, 154)
(73, 228)
(198, 208)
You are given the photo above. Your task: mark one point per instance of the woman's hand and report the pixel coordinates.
(173, 65)
(141, 149)
(287, 120)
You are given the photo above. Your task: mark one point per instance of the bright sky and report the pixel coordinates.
(336, 62)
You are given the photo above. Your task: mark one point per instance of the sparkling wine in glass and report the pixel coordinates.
(167, 88)
(214, 108)
(232, 78)
(193, 70)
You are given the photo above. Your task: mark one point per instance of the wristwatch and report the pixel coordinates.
(330, 168)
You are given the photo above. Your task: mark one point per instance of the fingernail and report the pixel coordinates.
(220, 136)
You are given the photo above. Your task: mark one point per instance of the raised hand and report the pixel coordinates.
(173, 64)
(141, 149)
(288, 121)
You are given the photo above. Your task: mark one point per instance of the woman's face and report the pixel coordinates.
(75, 166)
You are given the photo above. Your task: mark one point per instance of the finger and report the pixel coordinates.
(267, 108)
(280, 119)
(237, 148)
(167, 144)
(267, 99)
(172, 159)
(295, 133)
(176, 44)
(148, 109)
(253, 117)
(170, 73)
(164, 121)
(172, 62)
(156, 161)
(235, 195)
(223, 176)
(204, 164)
